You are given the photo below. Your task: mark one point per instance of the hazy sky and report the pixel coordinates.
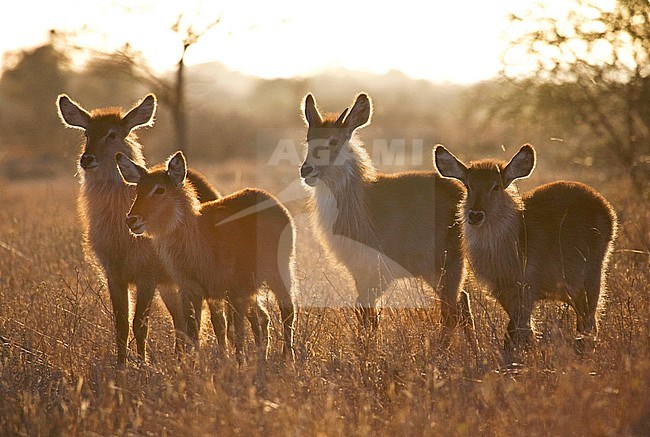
(458, 41)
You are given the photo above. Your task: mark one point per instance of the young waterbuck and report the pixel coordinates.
(103, 203)
(379, 226)
(224, 249)
(553, 242)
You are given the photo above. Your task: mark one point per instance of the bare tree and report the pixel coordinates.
(170, 92)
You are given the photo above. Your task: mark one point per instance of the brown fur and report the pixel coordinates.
(553, 242)
(379, 225)
(103, 203)
(224, 249)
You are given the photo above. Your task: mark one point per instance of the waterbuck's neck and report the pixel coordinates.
(105, 202)
(340, 199)
(180, 216)
(494, 248)
(180, 244)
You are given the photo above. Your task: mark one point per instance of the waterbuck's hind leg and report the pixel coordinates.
(192, 308)
(447, 282)
(368, 292)
(282, 291)
(259, 321)
(218, 308)
(240, 310)
(586, 305)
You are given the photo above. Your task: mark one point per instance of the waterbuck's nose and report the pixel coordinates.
(306, 170)
(88, 161)
(132, 221)
(475, 217)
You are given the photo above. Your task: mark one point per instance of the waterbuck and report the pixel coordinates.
(103, 202)
(224, 249)
(379, 226)
(553, 242)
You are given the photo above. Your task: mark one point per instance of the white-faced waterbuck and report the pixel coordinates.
(382, 227)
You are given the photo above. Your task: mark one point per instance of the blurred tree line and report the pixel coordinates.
(588, 73)
(583, 95)
(230, 115)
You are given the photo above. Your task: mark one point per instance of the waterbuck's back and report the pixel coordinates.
(247, 227)
(413, 215)
(568, 229)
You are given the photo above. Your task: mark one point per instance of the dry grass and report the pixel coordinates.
(57, 373)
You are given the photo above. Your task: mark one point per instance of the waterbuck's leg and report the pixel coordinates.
(240, 310)
(366, 306)
(192, 306)
(586, 306)
(172, 300)
(259, 321)
(119, 291)
(281, 288)
(518, 303)
(467, 321)
(449, 281)
(219, 321)
(144, 296)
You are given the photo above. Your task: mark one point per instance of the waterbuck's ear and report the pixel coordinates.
(360, 113)
(142, 114)
(310, 112)
(521, 165)
(448, 165)
(130, 171)
(71, 113)
(177, 168)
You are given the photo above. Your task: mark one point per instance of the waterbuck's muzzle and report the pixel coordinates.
(88, 161)
(475, 217)
(308, 174)
(135, 223)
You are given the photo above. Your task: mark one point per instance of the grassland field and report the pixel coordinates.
(57, 357)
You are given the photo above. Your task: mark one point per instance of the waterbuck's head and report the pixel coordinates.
(328, 138)
(160, 194)
(490, 192)
(108, 131)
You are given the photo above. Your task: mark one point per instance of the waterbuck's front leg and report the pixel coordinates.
(119, 292)
(518, 302)
(144, 296)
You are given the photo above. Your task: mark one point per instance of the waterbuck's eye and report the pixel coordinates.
(112, 135)
(496, 187)
(334, 142)
(159, 191)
